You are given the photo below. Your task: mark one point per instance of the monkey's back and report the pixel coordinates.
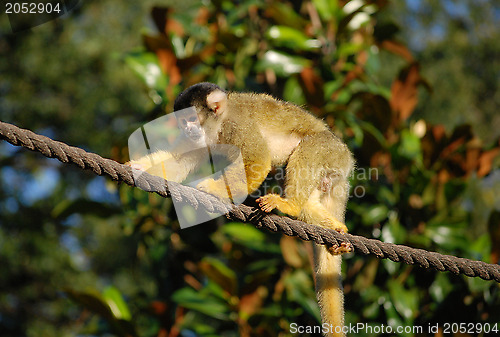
(274, 114)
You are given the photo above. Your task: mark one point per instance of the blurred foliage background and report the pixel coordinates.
(412, 87)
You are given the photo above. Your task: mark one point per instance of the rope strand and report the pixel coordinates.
(119, 172)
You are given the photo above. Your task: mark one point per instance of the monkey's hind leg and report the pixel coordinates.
(313, 209)
(271, 201)
(315, 212)
(317, 179)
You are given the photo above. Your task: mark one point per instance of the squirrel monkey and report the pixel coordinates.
(269, 133)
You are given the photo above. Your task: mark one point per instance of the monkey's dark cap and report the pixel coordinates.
(195, 95)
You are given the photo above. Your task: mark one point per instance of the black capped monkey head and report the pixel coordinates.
(207, 102)
(207, 98)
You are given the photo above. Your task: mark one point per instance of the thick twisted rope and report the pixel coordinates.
(119, 172)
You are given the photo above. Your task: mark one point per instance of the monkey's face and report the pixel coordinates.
(199, 110)
(191, 125)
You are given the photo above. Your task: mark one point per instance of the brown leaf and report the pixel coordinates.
(168, 63)
(438, 131)
(452, 147)
(159, 16)
(174, 26)
(203, 16)
(252, 302)
(192, 281)
(312, 85)
(154, 43)
(494, 230)
(398, 49)
(472, 154)
(164, 21)
(189, 62)
(290, 251)
(486, 160)
(158, 307)
(404, 92)
(443, 176)
(212, 272)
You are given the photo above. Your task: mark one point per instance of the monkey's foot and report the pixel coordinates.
(268, 202)
(271, 201)
(344, 247)
(333, 223)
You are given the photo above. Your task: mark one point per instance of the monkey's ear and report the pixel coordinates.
(217, 101)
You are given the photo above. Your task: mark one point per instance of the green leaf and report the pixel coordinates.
(115, 301)
(299, 288)
(201, 302)
(371, 129)
(352, 122)
(242, 232)
(371, 295)
(347, 49)
(282, 64)
(293, 92)
(393, 231)
(373, 64)
(250, 237)
(405, 300)
(284, 14)
(92, 301)
(147, 67)
(448, 236)
(117, 314)
(332, 86)
(284, 36)
(68, 207)
(374, 214)
(410, 146)
(218, 272)
(440, 288)
(327, 9)
(344, 96)
(480, 249)
(387, 196)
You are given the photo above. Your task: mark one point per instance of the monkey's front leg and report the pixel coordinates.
(230, 186)
(216, 187)
(164, 164)
(237, 180)
(154, 164)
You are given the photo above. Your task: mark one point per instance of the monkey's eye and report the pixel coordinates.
(183, 122)
(193, 119)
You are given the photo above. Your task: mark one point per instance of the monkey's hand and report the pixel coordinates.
(154, 159)
(138, 164)
(161, 164)
(215, 187)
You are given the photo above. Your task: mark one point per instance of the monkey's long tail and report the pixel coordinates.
(328, 267)
(329, 290)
